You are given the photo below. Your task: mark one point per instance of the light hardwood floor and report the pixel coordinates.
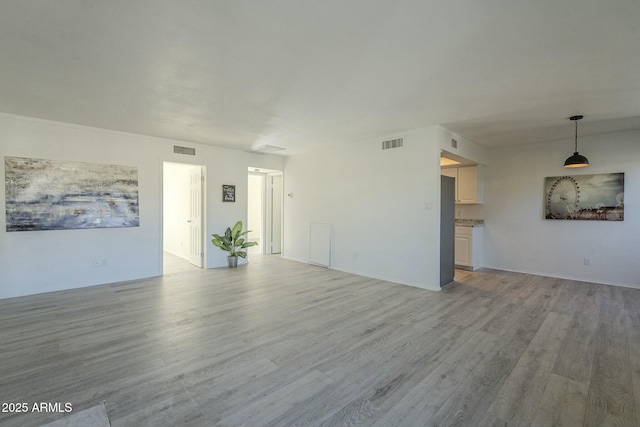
(174, 264)
(279, 343)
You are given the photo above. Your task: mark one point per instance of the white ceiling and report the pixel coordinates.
(300, 73)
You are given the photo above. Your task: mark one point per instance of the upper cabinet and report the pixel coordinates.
(468, 183)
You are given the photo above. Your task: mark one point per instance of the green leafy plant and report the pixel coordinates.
(232, 241)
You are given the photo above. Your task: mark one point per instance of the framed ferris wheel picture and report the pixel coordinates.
(585, 197)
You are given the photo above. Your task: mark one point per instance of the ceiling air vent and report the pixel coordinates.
(184, 150)
(392, 143)
(263, 149)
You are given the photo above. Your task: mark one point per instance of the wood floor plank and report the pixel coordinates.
(177, 410)
(517, 401)
(280, 343)
(422, 402)
(610, 399)
(287, 396)
(632, 311)
(575, 360)
(479, 390)
(563, 403)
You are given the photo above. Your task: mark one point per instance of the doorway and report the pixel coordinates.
(182, 219)
(447, 229)
(264, 216)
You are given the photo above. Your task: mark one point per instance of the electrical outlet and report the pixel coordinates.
(100, 263)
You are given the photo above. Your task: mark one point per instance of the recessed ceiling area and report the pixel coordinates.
(448, 159)
(444, 161)
(303, 75)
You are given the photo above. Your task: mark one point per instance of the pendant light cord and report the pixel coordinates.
(576, 150)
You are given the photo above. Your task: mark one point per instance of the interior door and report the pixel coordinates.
(275, 196)
(196, 254)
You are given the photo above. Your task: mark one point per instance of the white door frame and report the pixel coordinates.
(273, 222)
(266, 240)
(263, 192)
(196, 216)
(202, 206)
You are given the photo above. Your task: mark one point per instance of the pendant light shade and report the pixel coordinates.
(577, 160)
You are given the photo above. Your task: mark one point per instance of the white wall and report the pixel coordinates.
(518, 238)
(43, 261)
(384, 207)
(176, 212)
(465, 148)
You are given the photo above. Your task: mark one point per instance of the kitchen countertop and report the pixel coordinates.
(460, 222)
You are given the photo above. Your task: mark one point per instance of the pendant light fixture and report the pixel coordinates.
(576, 160)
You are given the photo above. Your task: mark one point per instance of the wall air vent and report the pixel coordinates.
(454, 143)
(184, 150)
(392, 143)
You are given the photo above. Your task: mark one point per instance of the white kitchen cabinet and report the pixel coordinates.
(468, 183)
(468, 188)
(468, 247)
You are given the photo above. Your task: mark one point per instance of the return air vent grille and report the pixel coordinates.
(454, 143)
(184, 150)
(392, 143)
(264, 149)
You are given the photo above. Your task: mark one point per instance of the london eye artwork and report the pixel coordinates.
(58, 195)
(597, 197)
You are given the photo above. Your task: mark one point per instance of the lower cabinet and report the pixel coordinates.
(468, 247)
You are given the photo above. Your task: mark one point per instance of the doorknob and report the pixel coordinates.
(188, 220)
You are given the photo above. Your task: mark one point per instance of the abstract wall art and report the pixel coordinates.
(585, 197)
(60, 195)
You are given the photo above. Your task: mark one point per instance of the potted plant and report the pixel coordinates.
(234, 243)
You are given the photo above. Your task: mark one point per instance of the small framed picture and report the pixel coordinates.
(228, 193)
